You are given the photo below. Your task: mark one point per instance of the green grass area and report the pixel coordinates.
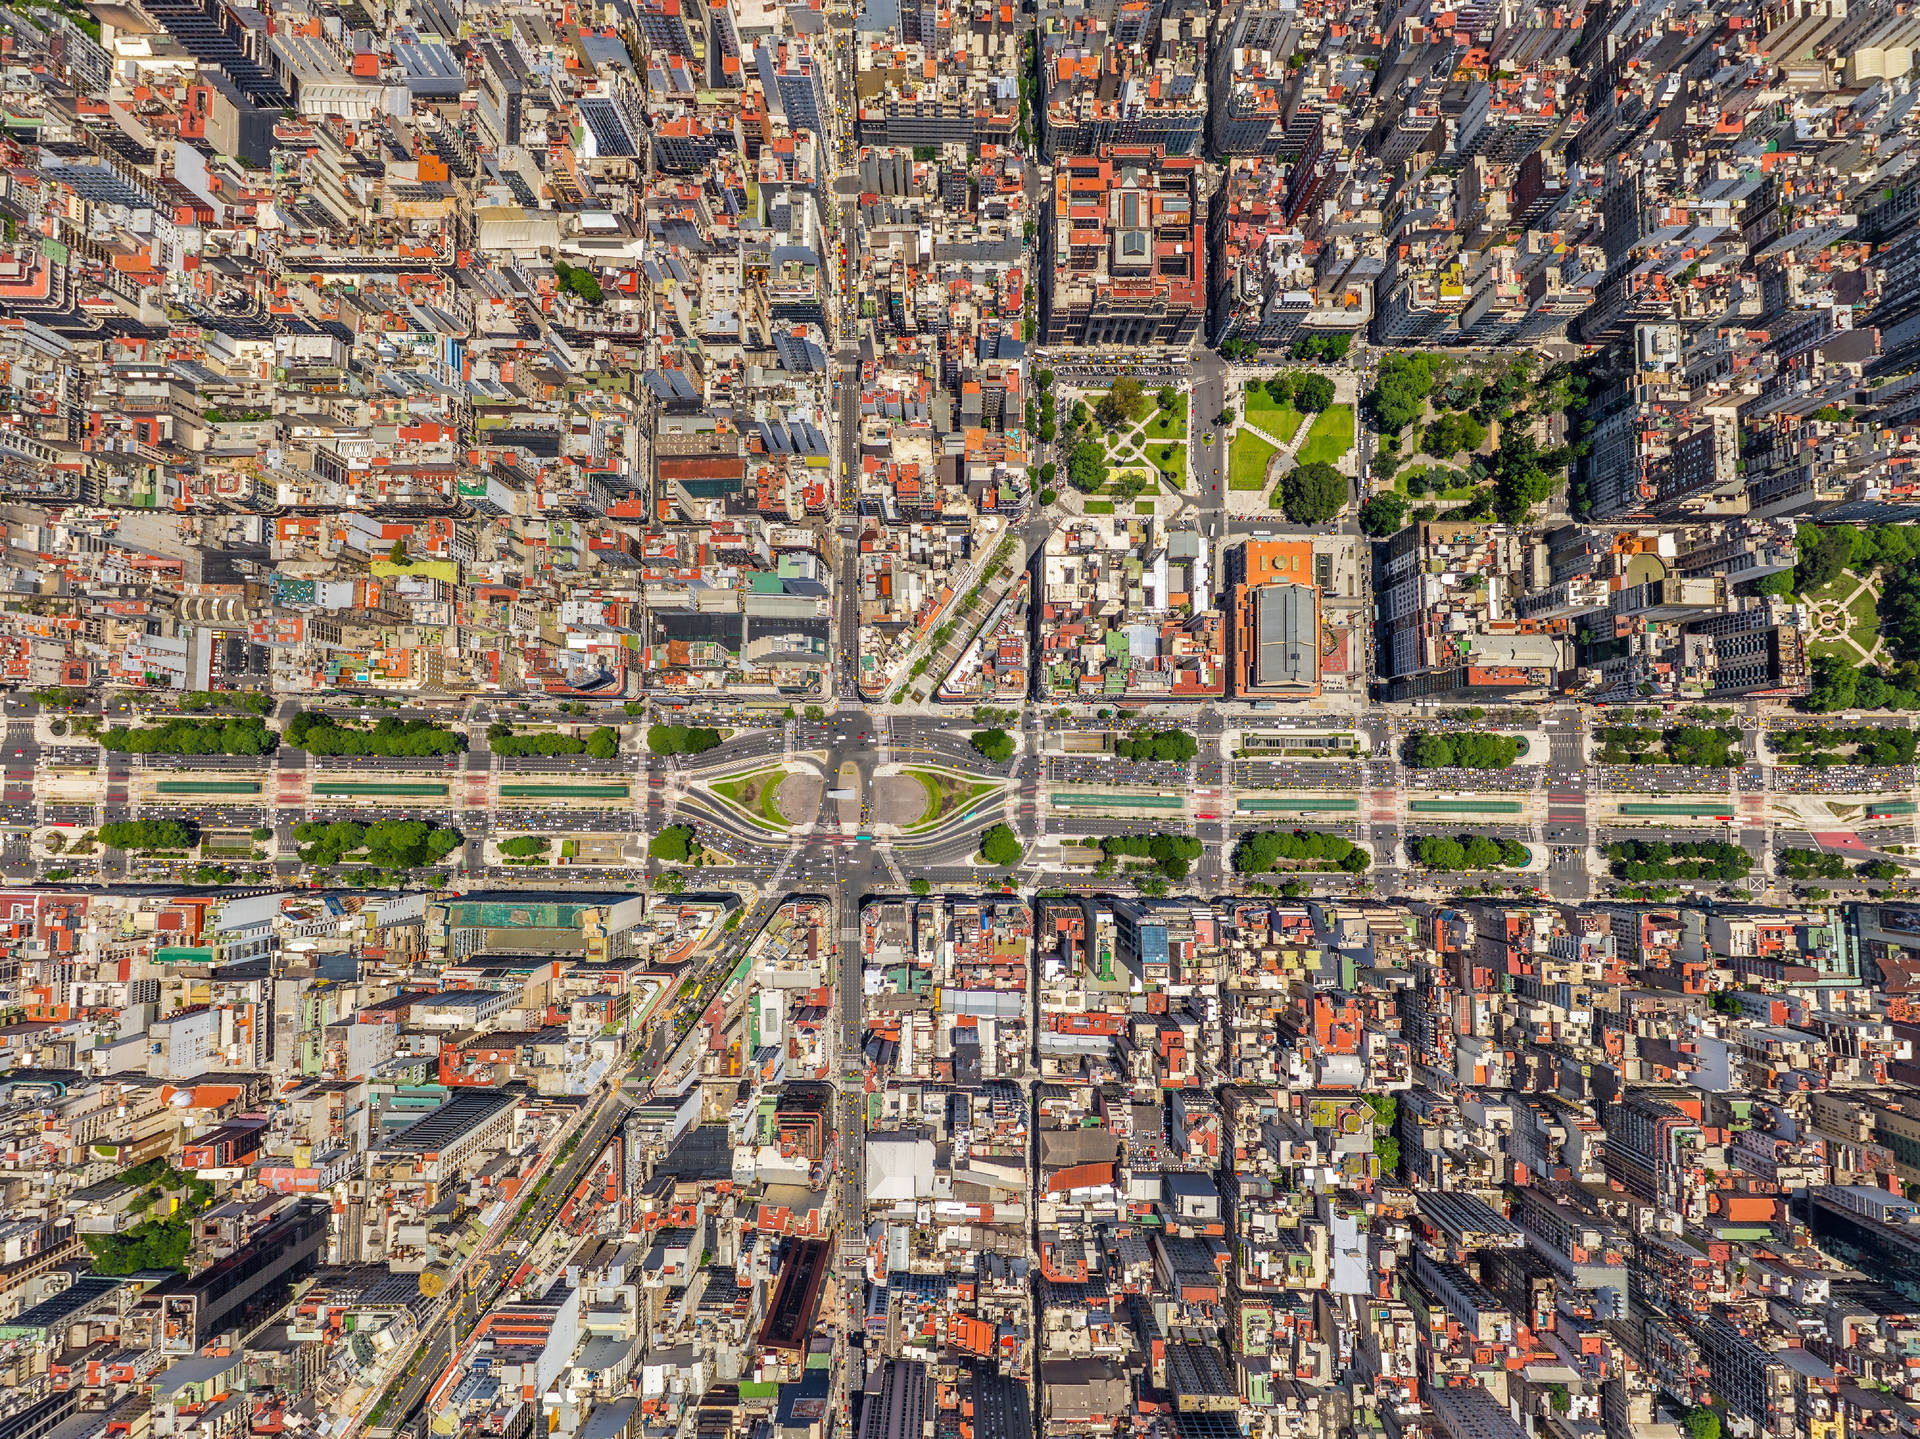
(1247, 461)
(362, 790)
(1331, 435)
(206, 786)
(1173, 468)
(1098, 507)
(1865, 615)
(1835, 614)
(753, 795)
(947, 795)
(1277, 420)
(1143, 507)
(1167, 424)
(565, 791)
(932, 788)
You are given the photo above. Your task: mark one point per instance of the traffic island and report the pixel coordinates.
(777, 798)
(942, 796)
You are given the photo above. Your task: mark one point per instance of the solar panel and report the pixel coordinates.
(100, 185)
(1207, 1424)
(207, 41)
(610, 135)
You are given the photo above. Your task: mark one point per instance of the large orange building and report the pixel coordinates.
(1275, 649)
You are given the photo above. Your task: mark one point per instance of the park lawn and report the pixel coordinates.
(1828, 597)
(1167, 424)
(1279, 421)
(1098, 507)
(1331, 435)
(1143, 507)
(1862, 621)
(1247, 461)
(947, 793)
(1173, 469)
(1865, 614)
(935, 802)
(752, 795)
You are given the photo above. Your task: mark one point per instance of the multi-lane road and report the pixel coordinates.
(1561, 802)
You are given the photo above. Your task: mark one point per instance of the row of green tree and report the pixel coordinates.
(1871, 744)
(1174, 854)
(145, 834)
(1267, 850)
(1707, 746)
(1042, 413)
(1659, 859)
(1468, 853)
(1822, 864)
(1320, 349)
(671, 739)
(1810, 864)
(1172, 745)
(1386, 1147)
(1837, 684)
(1001, 846)
(194, 701)
(389, 737)
(675, 844)
(993, 745)
(601, 743)
(1307, 393)
(247, 735)
(1468, 749)
(388, 843)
